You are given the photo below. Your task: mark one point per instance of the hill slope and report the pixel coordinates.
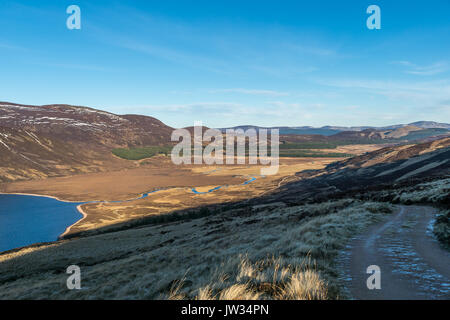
(384, 168)
(40, 141)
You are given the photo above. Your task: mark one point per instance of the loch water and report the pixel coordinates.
(25, 220)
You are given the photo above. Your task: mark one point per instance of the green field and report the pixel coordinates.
(286, 150)
(141, 153)
(307, 150)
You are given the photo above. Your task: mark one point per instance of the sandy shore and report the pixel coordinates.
(40, 195)
(80, 209)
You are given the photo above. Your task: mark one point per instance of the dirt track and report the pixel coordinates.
(413, 265)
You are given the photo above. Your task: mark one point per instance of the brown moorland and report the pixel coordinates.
(174, 183)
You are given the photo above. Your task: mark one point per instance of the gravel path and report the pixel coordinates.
(413, 265)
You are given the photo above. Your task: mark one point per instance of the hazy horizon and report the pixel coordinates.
(242, 124)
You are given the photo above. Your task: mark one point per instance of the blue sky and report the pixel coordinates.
(227, 63)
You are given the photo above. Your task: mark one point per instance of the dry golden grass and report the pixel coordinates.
(266, 279)
(159, 173)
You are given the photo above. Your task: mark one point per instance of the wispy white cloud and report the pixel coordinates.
(426, 70)
(417, 99)
(222, 114)
(174, 55)
(222, 51)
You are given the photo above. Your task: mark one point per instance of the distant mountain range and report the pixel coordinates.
(331, 130)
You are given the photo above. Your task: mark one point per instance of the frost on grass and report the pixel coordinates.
(441, 228)
(431, 192)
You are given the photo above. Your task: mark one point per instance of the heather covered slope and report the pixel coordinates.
(54, 140)
(28, 155)
(73, 123)
(385, 168)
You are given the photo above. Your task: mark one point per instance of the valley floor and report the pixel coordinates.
(174, 185)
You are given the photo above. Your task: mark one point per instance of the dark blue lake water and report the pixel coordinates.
(25, 220)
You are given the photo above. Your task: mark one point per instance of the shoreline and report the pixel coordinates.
(41, 195)
(83, 213)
